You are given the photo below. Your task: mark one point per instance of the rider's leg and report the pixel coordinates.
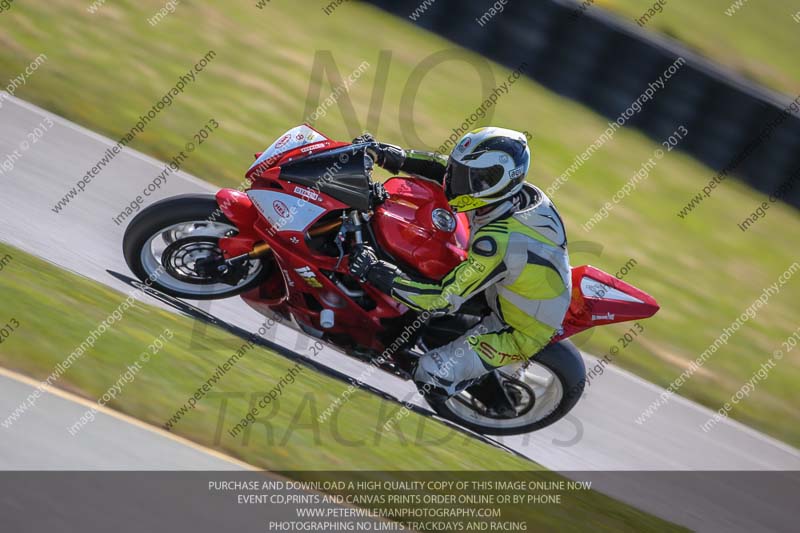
(453, 367)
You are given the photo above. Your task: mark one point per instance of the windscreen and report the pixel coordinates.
(294, 138)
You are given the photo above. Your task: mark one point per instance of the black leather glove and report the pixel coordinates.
(365, 265)
(362, 258)
(388, 156)
(365, 138)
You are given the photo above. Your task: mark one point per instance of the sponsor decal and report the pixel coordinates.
(517, 172)
(466, 202)
(465, 144)
(300, 137)
(284, 211)
(283, 141)
(607, 316)
(309, 277)
(475, 264)
(311, 147)
(490, 353)
(306, 193)
(294, 240)
(281, 209)
(287, 277)
(596, 289)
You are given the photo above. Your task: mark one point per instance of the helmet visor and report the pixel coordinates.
(460, 179)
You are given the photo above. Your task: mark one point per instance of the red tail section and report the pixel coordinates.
(599, 298)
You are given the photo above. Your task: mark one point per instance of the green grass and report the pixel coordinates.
(42, 300)
(759, 41)
(40, 296)
(106, 69)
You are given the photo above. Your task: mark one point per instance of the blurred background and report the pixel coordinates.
(429, 67)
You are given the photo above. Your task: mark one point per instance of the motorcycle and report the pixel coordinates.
(282, 242)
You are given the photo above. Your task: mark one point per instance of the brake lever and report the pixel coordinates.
(339, 240)
(346, 227)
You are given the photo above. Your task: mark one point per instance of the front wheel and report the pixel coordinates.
(518, 398)
(174, 243)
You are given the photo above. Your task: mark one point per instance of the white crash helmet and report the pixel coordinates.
(486, 166)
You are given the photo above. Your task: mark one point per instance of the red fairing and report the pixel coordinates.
(237, 207)
(598, 298)
(403, 226)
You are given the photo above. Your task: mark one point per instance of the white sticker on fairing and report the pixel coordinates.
(284, 211)
(307, 193)
(596, 289)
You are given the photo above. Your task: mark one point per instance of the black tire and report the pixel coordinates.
(564, 360)
(165, 213)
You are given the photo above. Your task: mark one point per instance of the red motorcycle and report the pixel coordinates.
(283, 242)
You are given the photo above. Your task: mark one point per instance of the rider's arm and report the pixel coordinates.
(426, 164)
(484, 266)
(394, 159)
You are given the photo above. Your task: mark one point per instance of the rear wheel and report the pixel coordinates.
(175, 244)
(519, 398)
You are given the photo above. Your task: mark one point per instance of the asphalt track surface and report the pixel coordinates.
(601, 434)
(90, 482)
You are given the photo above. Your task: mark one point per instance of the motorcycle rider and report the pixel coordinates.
(517, 257)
